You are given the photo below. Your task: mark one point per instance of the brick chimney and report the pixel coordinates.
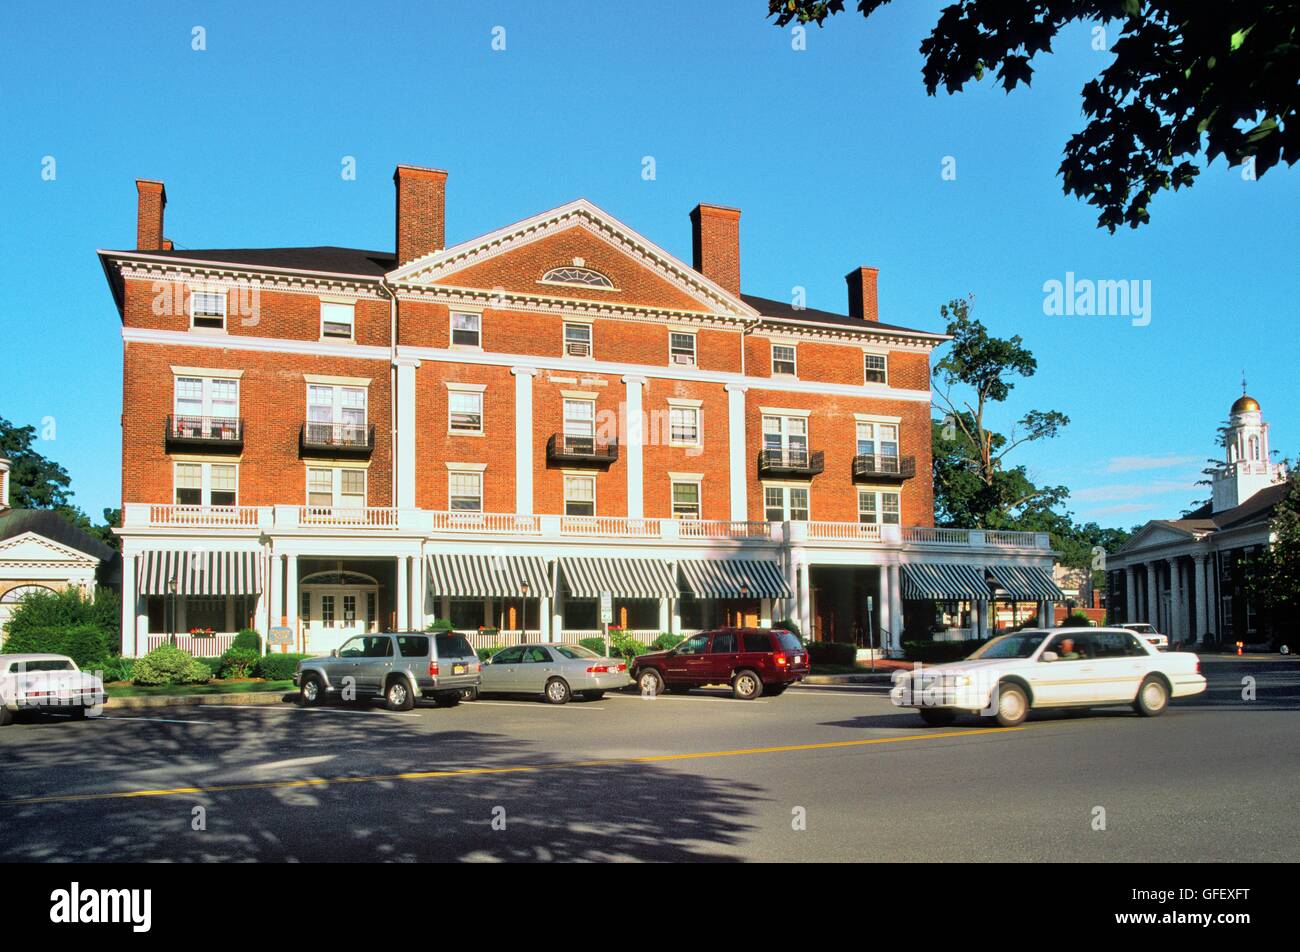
(715, 240)
(862, 293)
(151, 200)
(421, 211)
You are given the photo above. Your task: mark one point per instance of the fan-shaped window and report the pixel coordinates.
(338, 578)
(15, 595)
(582, 277)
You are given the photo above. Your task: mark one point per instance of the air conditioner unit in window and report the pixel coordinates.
(577, 349)
(683, 359)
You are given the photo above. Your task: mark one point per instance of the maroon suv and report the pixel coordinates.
(753, 661)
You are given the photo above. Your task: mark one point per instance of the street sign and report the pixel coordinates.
(279, 635)
(606, 608)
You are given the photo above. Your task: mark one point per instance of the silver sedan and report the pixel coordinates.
(556, 672)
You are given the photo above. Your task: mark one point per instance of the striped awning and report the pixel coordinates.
(944, 580)
(199, 573)
(1028, 583)
(489, 576)
(734, 578)
(622, 578)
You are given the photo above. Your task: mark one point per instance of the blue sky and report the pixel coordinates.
(834, 153)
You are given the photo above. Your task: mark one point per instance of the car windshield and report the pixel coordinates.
(453, 646)
(1020, 645)
(41, 664)
(573, 651)
(789, 641)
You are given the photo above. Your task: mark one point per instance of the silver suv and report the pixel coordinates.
(398, 666)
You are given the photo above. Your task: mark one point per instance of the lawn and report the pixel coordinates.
(234, 686)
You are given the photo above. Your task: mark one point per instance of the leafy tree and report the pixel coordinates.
(1186, 77)
(1274, 577)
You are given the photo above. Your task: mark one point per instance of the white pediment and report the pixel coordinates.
(35, 548)
(1156, 534)
(439, 266)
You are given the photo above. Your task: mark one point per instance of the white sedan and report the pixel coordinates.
(1044, 668)
(46, 682)
(1148, 633)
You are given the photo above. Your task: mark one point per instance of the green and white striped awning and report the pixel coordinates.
(1026, 583)
(622, 578)
(944, 580)
(489, 576)
(734, 578)
(198, 573)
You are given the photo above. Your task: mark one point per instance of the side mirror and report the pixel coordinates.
(334, 652)
(1049, 656)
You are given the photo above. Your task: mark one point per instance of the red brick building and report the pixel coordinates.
(338, 440)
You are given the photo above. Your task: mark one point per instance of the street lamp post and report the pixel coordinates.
(523, 613)
(171, 599)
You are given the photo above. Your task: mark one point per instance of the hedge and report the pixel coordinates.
(248, 639)
(939, 652)
(168, 664)
(88, 645)
(279, 667)
(832, 652)
(239, 663)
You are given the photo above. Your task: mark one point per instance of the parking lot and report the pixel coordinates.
(818, 773)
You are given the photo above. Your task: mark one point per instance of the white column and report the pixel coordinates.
(764, 613)
(737, 462)
(634, 430)
(1153, 596)
(1130, 594)
(523, 439)
(404, 401)
(1202, 599)
(421, 575)
(665, 614)
(277, 590)
(895, 609)
(401, 601)
(128, 606)
(557, 616)
(975, 619)
(544, 619)
(805, 601)
(417, 594)
(291, 593)
(1176, 608)
(884, 610)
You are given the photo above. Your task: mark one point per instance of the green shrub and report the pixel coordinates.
(88, 645)
(831, 652)
(239, 663)
(439, 624)
(116, 669)
(938, 652)
(249, 639)
(790, 625)
(213, 665)
(666, 641)
(1076, 620)
(593, 644)
(623, 645)
(278, 667)
(489, 651)
(168, 664)
(67, 609)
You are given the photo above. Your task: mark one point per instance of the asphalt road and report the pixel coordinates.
(818, 774)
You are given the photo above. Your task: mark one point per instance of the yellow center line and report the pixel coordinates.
(488, 771)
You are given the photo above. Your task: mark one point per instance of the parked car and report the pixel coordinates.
(399, 666)
(556, 672)
(1148, 634)
(46, 682)
(754, 661)
(1043, 668)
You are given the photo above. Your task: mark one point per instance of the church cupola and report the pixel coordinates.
(1248, 467)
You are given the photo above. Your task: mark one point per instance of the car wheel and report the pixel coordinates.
(1152, 698)
(448, 700)
(311, 691)
(650, 682)
(937, 716)
(1013, 705)
(399, 696)
(592, 695)
(746, 686)
(469, 694)
(557, 691)
(1285, 649)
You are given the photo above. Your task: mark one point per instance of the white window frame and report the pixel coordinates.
(786, 448)
(221, 295)
(673, 349)
(685, 406)
(459, 389)
(793, 361)
(337, 318)
(336, 486)
(206, 387)
(884, 356)
(477, 476)
(590, 401)
(205, 481)
(698, 483)
(477, 316)
(785, 489)
(590, 342)
(337, 416)
(878, 498)
(585, 477)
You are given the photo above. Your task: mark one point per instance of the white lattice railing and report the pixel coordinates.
(1010, 539)
(340, 517)
(723, 529)
(616, 526)
(204, 517)
(490, 522)
(861, 531)
(926, 534)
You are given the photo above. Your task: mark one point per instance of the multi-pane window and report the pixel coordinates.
(580, 425)
(349, 609)
(878, 508)
(879, 441)
(352, 488)
(206, 484)
(208, 309)
(467, 330)
(465, 492)
(681, 348)
(336, 487)
(337, 320)
(579, 495)
(786, 437)
(577, 340)
(336, 414)
(783, 361)
(465, 411)
(684, 425)
(327, 610)
(320, 487)
(189, 484)
(224, 484)
(781, 503)
(876, 368)
(686, 500)
(304, 609)
(215, 398)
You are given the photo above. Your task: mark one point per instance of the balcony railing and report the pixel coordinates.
(844, 531)
(1011, 539)
(486, 522)
(615, 526)
(219, 434)
(723, 529)
(337, 439)
(342, 517)
(882, 467)
(790, 461)
(563, 448)
(204, 517)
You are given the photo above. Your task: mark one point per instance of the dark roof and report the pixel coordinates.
(784, 311)
(52, 526)
(326, 259)
(1258, 508)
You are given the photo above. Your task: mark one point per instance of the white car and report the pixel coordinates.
(1044, 668)
(46, 682)
(1148, 634)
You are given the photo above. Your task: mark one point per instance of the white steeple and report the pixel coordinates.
(1247, 468)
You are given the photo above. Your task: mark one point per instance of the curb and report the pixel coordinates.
(191, 700)
(880, 678)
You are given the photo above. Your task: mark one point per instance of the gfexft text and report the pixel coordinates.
(1184, 894)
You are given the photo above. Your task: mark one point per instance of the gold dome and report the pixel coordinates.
(1245, 404)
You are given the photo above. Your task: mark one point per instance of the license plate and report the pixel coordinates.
(798, 658)
(459, 668)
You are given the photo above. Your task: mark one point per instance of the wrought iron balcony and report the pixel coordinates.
(561, 448)
(879, 467)
(337, 439)
(790, 461)
(215, 434)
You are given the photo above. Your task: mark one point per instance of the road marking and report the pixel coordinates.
(491, 771)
